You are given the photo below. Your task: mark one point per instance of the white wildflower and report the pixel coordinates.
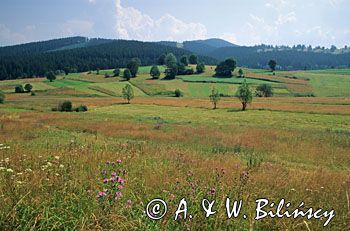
(7, 160)
(9, 170)
(19, 174)
(49, 164)
(28, 170)
(61, 166)
(2, 168)
(57, 157)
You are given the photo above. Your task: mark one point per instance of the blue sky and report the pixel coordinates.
(248, 22)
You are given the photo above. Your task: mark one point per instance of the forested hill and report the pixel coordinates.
(83, 54)
(36, 59)
(288, 58)
(40, 47)
(298, 57)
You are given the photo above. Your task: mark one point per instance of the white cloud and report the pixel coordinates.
(133, 24)
(92, 1)
(77, 27)
(335, 3)
(286, 18)
(231, 37)
(8, 37)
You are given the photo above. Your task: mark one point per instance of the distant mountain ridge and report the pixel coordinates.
(203, 47)
(217, 43)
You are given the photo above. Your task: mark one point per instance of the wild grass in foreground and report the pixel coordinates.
(54, 173)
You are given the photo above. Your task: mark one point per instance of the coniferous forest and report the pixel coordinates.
(78, 54)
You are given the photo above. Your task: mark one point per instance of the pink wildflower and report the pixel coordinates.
(118, 195)
(120, 180)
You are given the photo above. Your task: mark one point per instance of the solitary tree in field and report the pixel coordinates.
(193, 59)
(240, 73)
(200, 68)
(2, 97)
(116, 72)
(28, 87)
(127, 74)
(172, 68)
(272, 64)
(245, 95)
(264, 90)
(184, 60)
(128, 93)
(155, 73)
(214, 98)
(51, 76)
(133, 66)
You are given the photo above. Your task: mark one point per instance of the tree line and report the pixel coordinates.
(104, 56)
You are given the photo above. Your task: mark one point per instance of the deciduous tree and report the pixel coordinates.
(214, 97)
(155, 73)
(127, 74)
(245, 95)
(128, 93)
(133, 66)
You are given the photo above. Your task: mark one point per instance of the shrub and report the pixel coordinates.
(178, 93)
(51, 76)
(240, 73)
(190, 71)
(127, 74)
(225, 68)
(106, 75)
(28, 87)
(116, 72)
(81, 108)
(65, 106)
(32, 93)
(19, 89)
(264, 90)
(155, 73)
(2, 97)
(200, 68)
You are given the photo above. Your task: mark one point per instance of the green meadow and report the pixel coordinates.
(55, 166)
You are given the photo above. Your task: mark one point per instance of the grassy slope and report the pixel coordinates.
(320, 83)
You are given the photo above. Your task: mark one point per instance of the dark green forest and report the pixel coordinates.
(78, 54)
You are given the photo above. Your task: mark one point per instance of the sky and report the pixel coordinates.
(247, 22)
